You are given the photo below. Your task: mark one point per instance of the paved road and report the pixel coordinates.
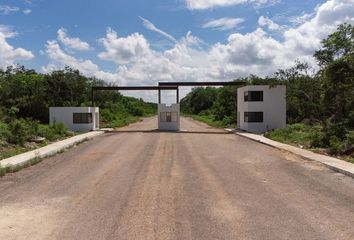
(204, 184)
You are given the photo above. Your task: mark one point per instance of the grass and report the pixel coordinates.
(209, 119)
(304, 136)
(348, 159)
(5, 170)
(296, 134)
(12, 150)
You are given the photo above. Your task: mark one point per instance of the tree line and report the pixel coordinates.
(27, 94)
(25, 98)
(324, 97)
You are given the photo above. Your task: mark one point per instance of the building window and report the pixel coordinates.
(168, 117)
(253, 117)
(79, 118)
(254, 96)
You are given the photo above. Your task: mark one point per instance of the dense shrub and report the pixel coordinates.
(52, 132)
(317, 139)
(18, 132)
(345, 146)
(47, 132)
(299, 133)
(4, 132)
(59, 128)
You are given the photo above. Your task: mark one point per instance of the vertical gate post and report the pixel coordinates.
(92, 97)
(177, 95)
(159, 96)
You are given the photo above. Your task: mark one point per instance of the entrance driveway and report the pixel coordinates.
(202, 184)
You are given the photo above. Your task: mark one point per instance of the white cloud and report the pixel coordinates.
(8, 31)
(223, 24)
(124, 50)
(206, 4)
(137, 63)
(252, 53)
(59, 59)
(189, 59)
(6, 9)
(8, 54)
(265, 3)
(209, 4)
(73, 43)
(306, 38)
(265, 21)
(259, 53)
(149, 25)
(27, 11)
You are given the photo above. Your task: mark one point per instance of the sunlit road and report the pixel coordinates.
(202, 184)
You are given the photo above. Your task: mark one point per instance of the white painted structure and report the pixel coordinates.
(261, 108)
(169, 117)
(76, 118)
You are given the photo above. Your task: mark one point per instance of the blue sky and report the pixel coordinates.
(142, 42)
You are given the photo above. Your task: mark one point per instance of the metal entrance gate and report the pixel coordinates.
(163, 109)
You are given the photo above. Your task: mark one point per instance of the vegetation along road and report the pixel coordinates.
(200, 184)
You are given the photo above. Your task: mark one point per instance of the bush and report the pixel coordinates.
(306, 135)
(47, 132)
(4, 132)
(52, 132)
(337, 130)
(335, 145)
(317, 139)
(228, 121)
(136, 111)
(32, 127)
(59, 128)
(346, 146)
(18, 132)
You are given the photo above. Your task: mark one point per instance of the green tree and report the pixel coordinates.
(303, 93)
(336, 59)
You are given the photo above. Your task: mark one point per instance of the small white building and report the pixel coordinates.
(76, 118)
(261, 108)
(169, 117)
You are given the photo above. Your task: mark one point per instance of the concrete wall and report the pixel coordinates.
(65, 115)
(273, 107)
(163, 124)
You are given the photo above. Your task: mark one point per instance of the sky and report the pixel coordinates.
(142, 42)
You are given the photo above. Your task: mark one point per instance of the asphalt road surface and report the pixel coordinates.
(201, 184)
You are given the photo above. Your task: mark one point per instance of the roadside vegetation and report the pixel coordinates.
(21, 135)
(314, 137)
(320, 103)
(214, 106)
(210, 120)
(25, 98)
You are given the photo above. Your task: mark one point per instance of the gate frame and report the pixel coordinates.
(165, 86)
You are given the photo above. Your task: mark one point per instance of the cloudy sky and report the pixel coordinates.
(141, 42)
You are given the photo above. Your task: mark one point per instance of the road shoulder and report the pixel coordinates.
(29, 158)
(330, 162)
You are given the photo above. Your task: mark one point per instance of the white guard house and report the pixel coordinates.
(261, 108)
(76, 118)
(169, 117)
